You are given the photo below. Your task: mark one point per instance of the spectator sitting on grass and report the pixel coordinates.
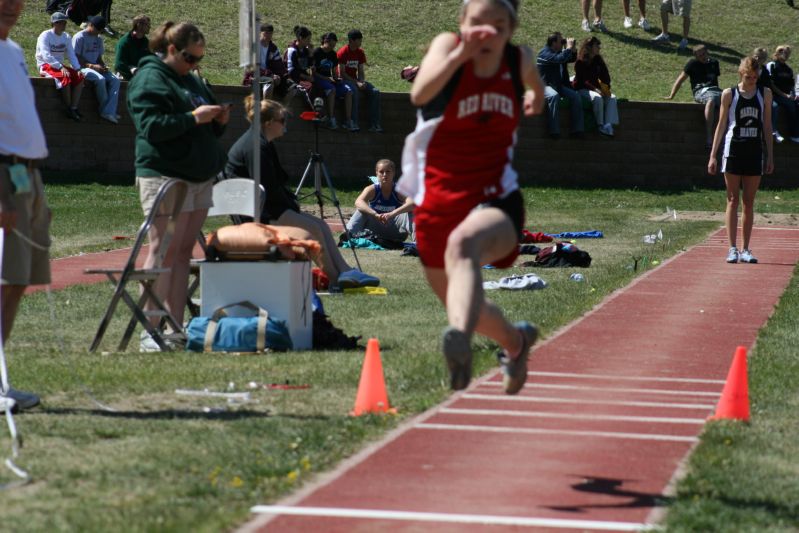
(351, 60)
(133, 46)
(52, 47)
(281, 207)
(592, 81)
(89, 49)
(704, 74)
(325, 63)
(381, 209)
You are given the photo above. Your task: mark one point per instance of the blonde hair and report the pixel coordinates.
(180, 35)
(270, 109)
(781, 48)
(388, 162)
(757, 53)
(748, 64)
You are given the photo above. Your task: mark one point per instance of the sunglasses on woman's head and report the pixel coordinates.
(189, 58)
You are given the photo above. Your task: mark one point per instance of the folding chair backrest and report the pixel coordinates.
(234, 196)
(168, 201)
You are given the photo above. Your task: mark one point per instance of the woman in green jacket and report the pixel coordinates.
(178, 125)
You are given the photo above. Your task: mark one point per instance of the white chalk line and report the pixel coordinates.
(573, 416)
(607, 389)
(570, 432)
(506, 398)
(625, 378)
(380, 514)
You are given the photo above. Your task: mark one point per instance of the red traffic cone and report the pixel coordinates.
(734, 401)
(372, 397)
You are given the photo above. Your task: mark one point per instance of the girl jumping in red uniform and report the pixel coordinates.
(457, 167)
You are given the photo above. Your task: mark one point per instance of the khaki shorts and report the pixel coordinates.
(680, 8)
(25, 263)
(198, 195)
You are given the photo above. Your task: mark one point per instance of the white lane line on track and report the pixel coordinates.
(571, 432)
(379, 514)
(506, 398)
(572, 416)
(626, 378)
(607, 389)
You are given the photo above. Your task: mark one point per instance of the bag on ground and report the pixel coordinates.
(222, 333)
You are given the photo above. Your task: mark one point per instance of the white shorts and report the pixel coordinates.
(681, 8)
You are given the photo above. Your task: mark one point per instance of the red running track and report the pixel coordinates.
(614, 404)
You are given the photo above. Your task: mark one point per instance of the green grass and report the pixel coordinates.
(396, 33)
(168, 462)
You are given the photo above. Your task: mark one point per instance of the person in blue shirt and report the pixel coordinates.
(552, 63)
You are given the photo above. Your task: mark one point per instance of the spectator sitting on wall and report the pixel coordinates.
(592, 81)
(782, 87)
(325, 63)
(89, 49)
(133, 46)
(272, 69)
(552, 64)
(351, 61)
(298, 62)
(52, 47)
(381, 209)
(704, 74)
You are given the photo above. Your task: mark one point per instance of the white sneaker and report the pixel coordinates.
(732, 255)
(585, 26)
(628, 22)
(777, 137)
(683, 44)
(747, 257)
(644, 24)
(600, 25)
(662, 38)
(794, 139)
(22, 399)
(147, 343)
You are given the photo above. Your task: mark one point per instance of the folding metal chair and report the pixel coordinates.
(232, 197)
(168, 201)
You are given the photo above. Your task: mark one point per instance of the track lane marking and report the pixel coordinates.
(380, 514)
(572, 416)
(506, 398)
(625, 378)
(570, 432)
(607, 389)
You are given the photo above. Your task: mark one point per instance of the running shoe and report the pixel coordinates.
(747, 257)
(628, 22)
(458, 353)
(21, 399)
(599, 24)
(355, 278)
(585, 25)
(661, 38)
(683, 44)
(514, 371)
(377, 128)
(777, 137)
(732, 255)
(644, 24)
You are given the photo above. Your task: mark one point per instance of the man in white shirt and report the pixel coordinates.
(24, 215)
(52, 47)
(88, 46)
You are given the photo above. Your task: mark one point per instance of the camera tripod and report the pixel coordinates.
(317, 165)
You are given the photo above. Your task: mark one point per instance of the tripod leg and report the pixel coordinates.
(317, 183)
(305, 174)
(338, 207)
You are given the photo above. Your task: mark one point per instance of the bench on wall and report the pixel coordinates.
(657, 145)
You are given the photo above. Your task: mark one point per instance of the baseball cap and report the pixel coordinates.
(98, 22)
(58, 17)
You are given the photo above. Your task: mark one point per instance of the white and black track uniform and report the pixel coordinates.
(743, 142)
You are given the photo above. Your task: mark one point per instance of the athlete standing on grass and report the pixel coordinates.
(457, 167)
(744, 124)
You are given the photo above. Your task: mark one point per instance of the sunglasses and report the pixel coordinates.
(189, 58)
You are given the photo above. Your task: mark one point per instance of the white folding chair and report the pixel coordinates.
(234, 198)
(168, 201)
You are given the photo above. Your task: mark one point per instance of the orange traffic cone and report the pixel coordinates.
(734, 402)
(372, 397)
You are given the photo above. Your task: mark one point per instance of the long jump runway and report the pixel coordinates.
(614, 403)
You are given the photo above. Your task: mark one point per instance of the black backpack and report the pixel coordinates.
(562, 254)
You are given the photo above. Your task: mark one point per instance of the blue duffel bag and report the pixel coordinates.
(222, 333)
